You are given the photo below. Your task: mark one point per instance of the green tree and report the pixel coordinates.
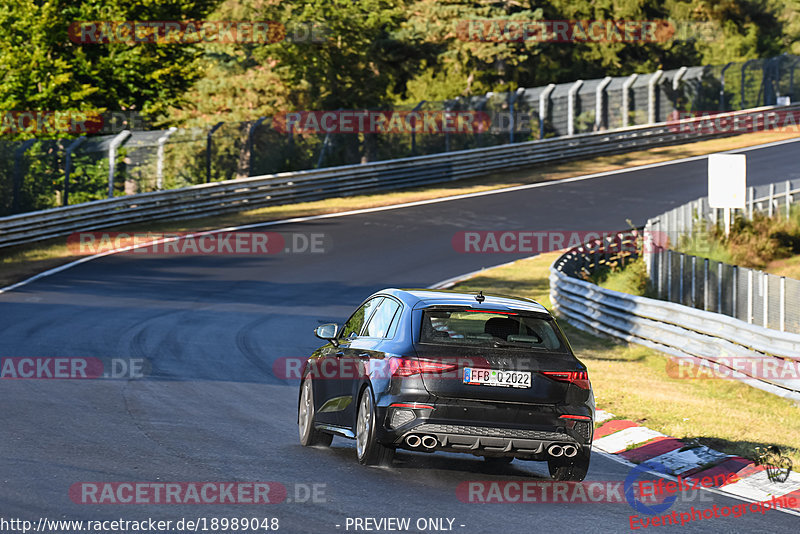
(42, 69)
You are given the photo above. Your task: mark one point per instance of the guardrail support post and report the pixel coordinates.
(652, 97)
(600, 121)
(67, 166)
(544, 107)
(160, 157)
(208, 149)
(571, 97)
(112, 157)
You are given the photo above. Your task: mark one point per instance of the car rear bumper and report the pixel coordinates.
(487, 429)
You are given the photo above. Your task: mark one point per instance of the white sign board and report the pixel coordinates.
(784, 100)
(727, 180)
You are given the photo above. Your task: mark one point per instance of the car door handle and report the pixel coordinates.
(364, 355)
(339, 354)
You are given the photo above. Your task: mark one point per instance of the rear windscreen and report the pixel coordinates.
(489, 329)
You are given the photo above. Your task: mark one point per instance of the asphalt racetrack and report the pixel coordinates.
(210, 407)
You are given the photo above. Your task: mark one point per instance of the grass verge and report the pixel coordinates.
(631, 381)
(18, 263)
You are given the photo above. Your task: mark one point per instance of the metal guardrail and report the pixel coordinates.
(248, 193)
(751, 295)
(681, 331)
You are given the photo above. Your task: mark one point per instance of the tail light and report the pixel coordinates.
(579, 378)
(408, 367)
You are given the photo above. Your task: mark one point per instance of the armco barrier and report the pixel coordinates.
(670, 328)
(248, 193)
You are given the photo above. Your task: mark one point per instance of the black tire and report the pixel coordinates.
(570, 470)
(309, 436)
(368, 450)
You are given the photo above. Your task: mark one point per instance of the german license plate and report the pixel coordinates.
(496, 377)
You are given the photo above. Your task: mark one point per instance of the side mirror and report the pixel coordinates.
(327, 332)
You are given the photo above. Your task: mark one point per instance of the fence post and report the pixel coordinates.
(744, 75)
(652, 97)
(676, 81)
(67, 164)
(771, 198)
(735, 290)
(19, 153)
(694, 281)
(765, 289)
(680, 286)
(112, 156)
(208, 149)
(705, 284)
(719, 287)
(599, 100)
(626, 103)
(250, 133)
(573, 91)
(669, 275)
(783, 303)
(752, 191)
(513, 122)
(788, 199)
(722, 87)
(160, 157)
(750, 296)
(414, 125)
(544, 99)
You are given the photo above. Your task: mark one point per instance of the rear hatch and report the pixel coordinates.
(507, 356)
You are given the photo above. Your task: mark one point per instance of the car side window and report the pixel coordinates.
(354, 325)
(381, 320)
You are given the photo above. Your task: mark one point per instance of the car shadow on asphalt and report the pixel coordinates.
(452, 463)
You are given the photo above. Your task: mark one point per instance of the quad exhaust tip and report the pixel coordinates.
(413, 441)
(570, 451)
(555, 450)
